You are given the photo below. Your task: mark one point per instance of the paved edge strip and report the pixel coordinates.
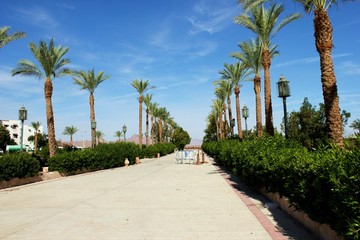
(264, 221)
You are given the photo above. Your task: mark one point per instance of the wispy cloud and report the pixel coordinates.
(211, 17)
(307, 60)
(350, 68)
(37, 16)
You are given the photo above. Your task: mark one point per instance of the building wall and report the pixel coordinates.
(14, 128)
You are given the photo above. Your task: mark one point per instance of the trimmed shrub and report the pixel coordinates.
(18, 165)
(324, 183)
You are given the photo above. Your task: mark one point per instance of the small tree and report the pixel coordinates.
(4, 137)
(119, 134)
(308, 125)
(180, 138)
(356, 125)
(71, 130)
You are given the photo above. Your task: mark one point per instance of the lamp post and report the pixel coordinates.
(245, 113)
(284, 92)
(93, 133)
(124, 128)
(22, 117)
(232, 124)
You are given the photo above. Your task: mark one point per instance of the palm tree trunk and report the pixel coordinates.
(92, 118)
(238, 112)
(71, 140)
(221, 126)
(35, 141)
(225, 122)
(266, 62)
(160, 130)
(230, 115)
(147, 127)
(152, 130)
(323, 40)
(217, 130)
(48, 90)
(257, 90)
(140, 121)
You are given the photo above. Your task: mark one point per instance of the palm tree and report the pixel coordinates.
(221, 94)
(250, 55)
(147, 101)
(161, 115)
(227, 86)
(153, 109)
(70, 130)
(5, 38)
(36, 126)
(90, 81)
(141, 87)
(99, 136)
(53, 65)
(218, 108)
(236, 73)
(356, 125)
(323, 32)
(263, 22)
(119, 134)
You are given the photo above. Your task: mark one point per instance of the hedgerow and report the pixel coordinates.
(18, 165)
(104, 156)
(324, 183)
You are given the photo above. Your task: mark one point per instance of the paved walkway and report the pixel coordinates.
(156, 200)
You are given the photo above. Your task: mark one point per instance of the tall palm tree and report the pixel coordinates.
(147, 101)
(221, 94)
(141, 87)
(227, 86)
(53, 63)
(323, 32)
(90, 81)
(119, 134)
(5, 38)
(153, 109)
(324, 44)
(250, 55)
(264, 23)
(36, 126)
(161, 115)
(70, 130)
(237, 73)
(218, 108)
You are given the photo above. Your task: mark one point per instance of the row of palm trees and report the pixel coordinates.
(162, 124)
(52, 64)
(261, 17)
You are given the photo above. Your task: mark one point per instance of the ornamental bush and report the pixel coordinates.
(104, 156)
(324, 183)
(18, 165)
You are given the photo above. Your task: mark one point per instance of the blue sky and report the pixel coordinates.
(178, 45)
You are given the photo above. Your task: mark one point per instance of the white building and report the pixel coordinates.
(14, 128)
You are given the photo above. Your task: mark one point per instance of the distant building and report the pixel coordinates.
(14, 128)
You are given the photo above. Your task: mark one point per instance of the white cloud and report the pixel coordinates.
(350, 68)
(37, 16)
(211, 17)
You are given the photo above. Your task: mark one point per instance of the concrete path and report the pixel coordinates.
(156, 199)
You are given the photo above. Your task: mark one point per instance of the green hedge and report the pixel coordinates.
(104, 156)
(18, 165)
(324, 183)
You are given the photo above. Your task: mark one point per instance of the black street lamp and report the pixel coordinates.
(284, 92)
(232, 124)
(245, 114)
(22, 117)
(93, 133)
(124, 128)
